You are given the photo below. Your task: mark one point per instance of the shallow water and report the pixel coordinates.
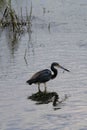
(65, 41)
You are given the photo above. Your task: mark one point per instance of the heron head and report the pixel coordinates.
(59, 66)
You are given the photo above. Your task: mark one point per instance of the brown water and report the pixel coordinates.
(65, 41)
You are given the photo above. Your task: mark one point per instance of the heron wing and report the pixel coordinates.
(42, 76)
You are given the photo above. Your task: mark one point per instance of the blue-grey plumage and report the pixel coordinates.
(45, 75)
(40, 77)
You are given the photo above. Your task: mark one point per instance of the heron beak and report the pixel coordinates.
(63, 68)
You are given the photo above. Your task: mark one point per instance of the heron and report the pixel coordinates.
(45, 75)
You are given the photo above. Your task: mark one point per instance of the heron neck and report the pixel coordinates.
(54, 72)
(54, 103)
(55, 100)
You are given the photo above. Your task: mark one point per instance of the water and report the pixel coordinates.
(65, 41)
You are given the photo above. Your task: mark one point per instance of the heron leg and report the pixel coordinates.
(39, 87)
(45, 88)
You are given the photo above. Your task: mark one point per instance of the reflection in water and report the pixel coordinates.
(12, 40)
(57, 103)
(42, 97)
(45, 98)
(56, 100)
(62, 44)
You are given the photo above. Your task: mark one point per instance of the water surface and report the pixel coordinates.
(59, 33)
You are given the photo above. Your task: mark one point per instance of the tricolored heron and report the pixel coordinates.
(45, 75)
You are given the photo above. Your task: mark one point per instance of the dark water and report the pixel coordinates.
(59, 33)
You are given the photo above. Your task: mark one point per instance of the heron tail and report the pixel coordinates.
(29, 82)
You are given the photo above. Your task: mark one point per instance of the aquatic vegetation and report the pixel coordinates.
(14, 25)
(10, 19)
(2, 4)
(14, 22)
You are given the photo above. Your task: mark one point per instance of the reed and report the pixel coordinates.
(12, 20)
(15, 25)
